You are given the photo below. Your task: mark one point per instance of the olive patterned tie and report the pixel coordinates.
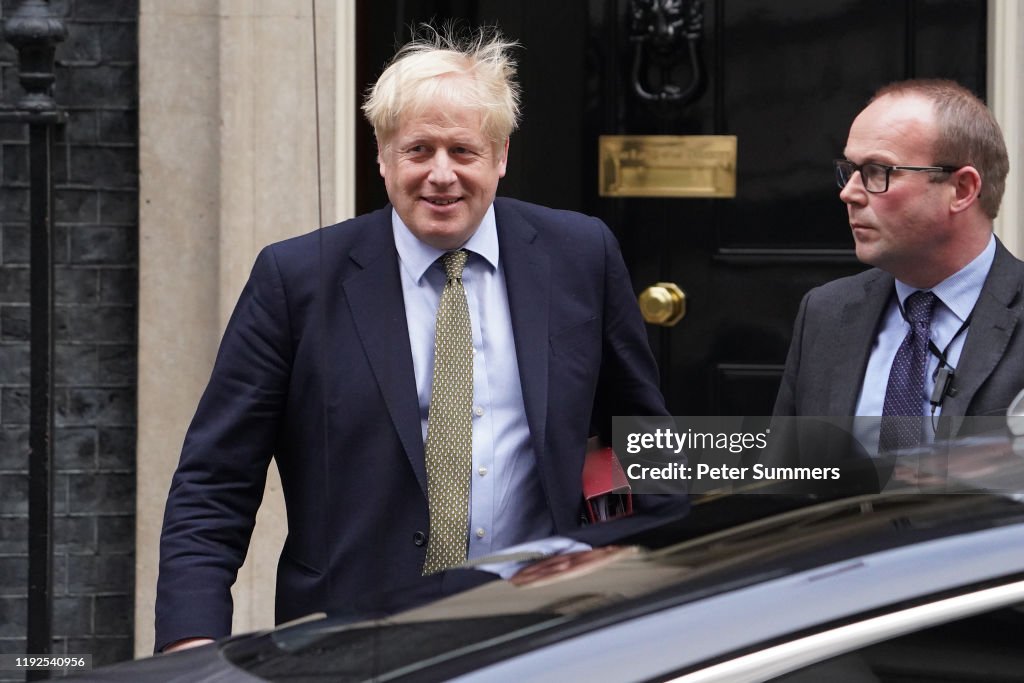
(449, 448)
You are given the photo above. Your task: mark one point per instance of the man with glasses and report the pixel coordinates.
(934, 327)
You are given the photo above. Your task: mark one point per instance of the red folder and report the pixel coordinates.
(606, 491)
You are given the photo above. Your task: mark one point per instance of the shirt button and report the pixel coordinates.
(480, 532)
(478, 411)
(482, 471)
(419, 539)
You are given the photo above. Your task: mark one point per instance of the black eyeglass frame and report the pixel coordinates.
(839, 164)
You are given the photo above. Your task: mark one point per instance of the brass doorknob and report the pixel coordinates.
(663, 303)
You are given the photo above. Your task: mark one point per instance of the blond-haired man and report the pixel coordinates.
(327, 365)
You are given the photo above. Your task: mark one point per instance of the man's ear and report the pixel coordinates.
(503, 159)
(380, 158)
(967, 185)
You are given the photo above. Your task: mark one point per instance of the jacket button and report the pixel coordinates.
(419, 538)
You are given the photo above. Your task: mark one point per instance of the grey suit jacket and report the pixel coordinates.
(836, 326)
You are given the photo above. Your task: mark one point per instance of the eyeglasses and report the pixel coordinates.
(875, 177)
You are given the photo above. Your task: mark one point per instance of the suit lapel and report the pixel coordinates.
(528, 282)
(992, 324)
(373, 290)
(851, 346)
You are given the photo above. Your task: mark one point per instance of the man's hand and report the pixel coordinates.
(560, 566)
(186, 644)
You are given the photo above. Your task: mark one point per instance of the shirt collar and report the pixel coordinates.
(960, 291)
(417, 256)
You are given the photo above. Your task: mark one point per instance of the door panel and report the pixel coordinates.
(786, 78)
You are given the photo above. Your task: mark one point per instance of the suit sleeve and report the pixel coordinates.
(783, 444)
(629, 376)
(219, 482)
(629, 379)
(785, 401)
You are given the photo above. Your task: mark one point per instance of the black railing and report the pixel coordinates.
(35, 33)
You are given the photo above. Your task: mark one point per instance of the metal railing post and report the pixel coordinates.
(35, 33)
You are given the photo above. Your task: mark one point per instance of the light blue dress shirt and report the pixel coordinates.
(957, 296)
(507, 504)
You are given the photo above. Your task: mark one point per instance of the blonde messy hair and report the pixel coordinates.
(466, 70)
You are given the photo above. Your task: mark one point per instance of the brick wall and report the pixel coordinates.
(96, 252)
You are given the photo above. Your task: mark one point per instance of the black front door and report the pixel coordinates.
(786, 77)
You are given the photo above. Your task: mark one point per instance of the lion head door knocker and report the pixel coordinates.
(664, 33)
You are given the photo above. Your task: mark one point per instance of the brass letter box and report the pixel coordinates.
(667, 165)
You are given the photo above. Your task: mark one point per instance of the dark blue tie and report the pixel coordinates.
(904, 394)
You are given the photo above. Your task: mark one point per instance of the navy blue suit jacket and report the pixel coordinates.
(315, 370)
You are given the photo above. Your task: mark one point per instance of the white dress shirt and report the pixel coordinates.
(507, 504)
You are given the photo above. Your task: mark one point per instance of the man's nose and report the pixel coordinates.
(441, 170)
(853, 192)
